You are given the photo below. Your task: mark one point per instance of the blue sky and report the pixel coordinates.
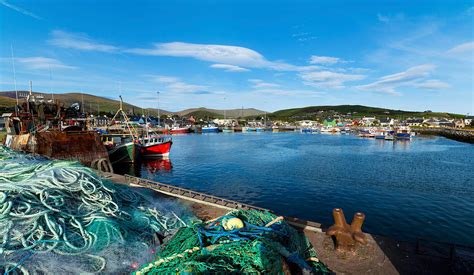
(413, 55)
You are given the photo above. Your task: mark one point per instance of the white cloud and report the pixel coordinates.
(229, 68)
(175, 85)
(42, 63)
(328, 79)
(20, 10)
(411, 77)
(462, 48)
(433, 84)
(258, 83)
(292, 93)
(315, 59)
(78, 41)
(222, 54)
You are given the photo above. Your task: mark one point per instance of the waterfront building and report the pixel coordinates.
(330, 122)
(368, 121)
(307, 123)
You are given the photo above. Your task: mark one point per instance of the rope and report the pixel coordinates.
(64, 208)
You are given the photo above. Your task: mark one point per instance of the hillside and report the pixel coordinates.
(92, 103)
(7, 103)
(314, 112)
(231, 113)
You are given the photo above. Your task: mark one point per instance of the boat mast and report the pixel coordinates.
(14, 80)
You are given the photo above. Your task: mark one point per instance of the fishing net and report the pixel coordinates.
(60, 217)
(263, 243)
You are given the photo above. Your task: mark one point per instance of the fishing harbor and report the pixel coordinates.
(240, 137)
(27, 134)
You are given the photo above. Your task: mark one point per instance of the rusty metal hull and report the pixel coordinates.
(83, 146)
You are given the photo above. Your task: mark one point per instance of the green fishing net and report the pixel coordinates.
(209, 248)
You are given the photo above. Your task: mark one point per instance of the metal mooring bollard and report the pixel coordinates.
(346, 237)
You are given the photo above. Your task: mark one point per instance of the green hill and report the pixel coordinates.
(320, 112)
(7, 103)
(204, 115)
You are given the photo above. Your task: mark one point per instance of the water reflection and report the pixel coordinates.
(149, 166)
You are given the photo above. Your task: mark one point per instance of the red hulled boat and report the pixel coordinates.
(180, 130)
(154, 146)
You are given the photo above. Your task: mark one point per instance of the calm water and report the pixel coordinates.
(421, 188)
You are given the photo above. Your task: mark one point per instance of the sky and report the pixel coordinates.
(270, 55)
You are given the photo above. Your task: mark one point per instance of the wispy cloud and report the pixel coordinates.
(382, 18)
(229, 68)
(221, 54)
(328, 79)
(176, 85)
(326, 60)
(258, 83)
(289, 92)
(20, 10)
(433, 84)
(414, 77)
(78, 41)
(462, 48)
(42, 63)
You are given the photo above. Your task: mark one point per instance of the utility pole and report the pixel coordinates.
(158, 93)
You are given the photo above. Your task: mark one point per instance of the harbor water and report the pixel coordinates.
(423, 188)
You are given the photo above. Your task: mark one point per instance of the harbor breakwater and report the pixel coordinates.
(463, 135)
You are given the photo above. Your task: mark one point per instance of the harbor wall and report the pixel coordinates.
(463, 135)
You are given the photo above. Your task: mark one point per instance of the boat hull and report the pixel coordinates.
(122, 153)
(210, 130)
(160, 150)
(403, 136)
(180, 131)
(83, 146)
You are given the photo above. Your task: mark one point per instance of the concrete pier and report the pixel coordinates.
(381, 255)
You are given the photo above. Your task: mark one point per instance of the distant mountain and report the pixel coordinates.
(92, 103)
(314, 112)
(232, 113)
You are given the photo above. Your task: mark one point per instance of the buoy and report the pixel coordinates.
(231, 223)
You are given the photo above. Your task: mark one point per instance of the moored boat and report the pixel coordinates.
(154, 146)
(180, 130)
(123, 152)
(403, 133)
(210, 129)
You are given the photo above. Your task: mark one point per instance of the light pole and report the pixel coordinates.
(158, 93)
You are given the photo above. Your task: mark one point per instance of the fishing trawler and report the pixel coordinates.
(153, 146)
(41, 126)
(176, 129)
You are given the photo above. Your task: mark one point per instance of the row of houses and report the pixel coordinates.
(390, 122)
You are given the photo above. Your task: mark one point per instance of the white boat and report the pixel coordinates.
(330, 130)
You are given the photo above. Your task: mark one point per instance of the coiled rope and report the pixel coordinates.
(64, 208)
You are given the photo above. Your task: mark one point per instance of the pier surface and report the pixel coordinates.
(381, 255)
